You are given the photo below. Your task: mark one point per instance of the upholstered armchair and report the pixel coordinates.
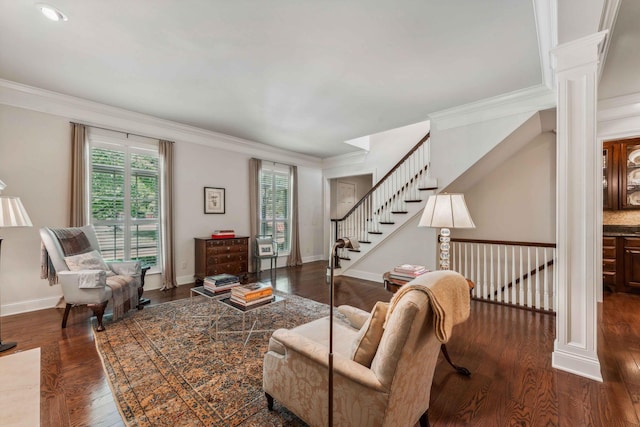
(86, 279)
(384, 361)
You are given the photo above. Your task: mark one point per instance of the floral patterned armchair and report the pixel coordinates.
(384, 361)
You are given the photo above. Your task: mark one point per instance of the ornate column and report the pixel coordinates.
(579, 205)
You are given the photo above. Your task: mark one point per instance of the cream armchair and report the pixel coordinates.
(94, 286)
(382, 376)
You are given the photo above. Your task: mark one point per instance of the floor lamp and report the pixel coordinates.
(347, 243)
(12, 214)
(446, 211)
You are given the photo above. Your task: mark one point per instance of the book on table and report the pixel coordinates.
(221, 283)
(221, 279)
(259, 301)
(251, 292)
(407, 272)
(253, 289)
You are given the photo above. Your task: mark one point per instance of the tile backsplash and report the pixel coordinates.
(621, 217)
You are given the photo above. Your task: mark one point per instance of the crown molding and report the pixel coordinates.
(579, 52)
(531, 99)
(619, 107)
(95, 114)
(619, 117)
(607, 23)
(346, 159)
(546, 17)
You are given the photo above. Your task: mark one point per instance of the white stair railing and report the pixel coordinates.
(513, 273)
(401, 185)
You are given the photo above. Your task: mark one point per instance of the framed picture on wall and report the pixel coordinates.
(214, 200)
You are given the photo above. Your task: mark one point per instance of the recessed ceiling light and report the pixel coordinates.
(51, 12)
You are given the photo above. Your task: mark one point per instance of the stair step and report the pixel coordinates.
(346, 258)
(386, 222)
(353, 250)
(413, 201)
(374, 232)
(427, 188)
(399, 212)
(364, 241)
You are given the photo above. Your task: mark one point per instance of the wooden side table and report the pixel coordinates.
(393, 285)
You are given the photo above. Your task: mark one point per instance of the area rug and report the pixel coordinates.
(165, 369)
(20, 388)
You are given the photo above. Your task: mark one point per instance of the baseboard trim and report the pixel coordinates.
(578, 365)
(30, 305)
(364, 275)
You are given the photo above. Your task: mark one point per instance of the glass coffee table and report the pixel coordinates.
(224, 304)
(211, 299)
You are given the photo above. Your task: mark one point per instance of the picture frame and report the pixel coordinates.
(214, 200)
(265, 249)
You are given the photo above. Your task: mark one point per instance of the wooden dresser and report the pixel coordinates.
(217, 256)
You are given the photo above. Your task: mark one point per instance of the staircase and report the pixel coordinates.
(397, 197)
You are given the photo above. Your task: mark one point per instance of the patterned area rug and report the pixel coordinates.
(166, 370)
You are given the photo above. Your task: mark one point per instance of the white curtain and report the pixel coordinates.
(166, 215)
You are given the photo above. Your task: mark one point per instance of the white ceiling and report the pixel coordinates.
(621, 74)
(302, 75)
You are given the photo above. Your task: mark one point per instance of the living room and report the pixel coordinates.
(35, 155)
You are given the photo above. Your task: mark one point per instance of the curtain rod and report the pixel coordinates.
(119, 131)
(275, 163)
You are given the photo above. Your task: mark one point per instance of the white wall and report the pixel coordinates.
(35, 162)
(517, 200)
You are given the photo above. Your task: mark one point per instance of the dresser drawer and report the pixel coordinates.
(608, 241)
(609, 265)
(215, 243)
(228, 268)
(609, 252)
(226, 258)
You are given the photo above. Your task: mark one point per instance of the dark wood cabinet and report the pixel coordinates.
(621, 174)
(631, 264)
(217, 256)
(621, 263)
(609, 263)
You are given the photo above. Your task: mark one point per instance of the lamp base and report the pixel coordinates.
(7, 345)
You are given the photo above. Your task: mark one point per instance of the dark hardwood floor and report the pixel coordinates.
(507, 350)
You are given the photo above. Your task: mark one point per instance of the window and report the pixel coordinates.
(124, 199)
(275, 203)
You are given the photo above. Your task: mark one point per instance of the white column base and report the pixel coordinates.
(579, 365)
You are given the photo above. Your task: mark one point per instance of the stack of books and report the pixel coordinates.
(407, 272)
(252, 294)
(223, 234)
(221, 283)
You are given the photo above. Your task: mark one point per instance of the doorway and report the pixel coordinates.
(346, 191)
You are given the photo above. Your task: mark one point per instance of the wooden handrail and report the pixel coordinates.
(379, 183)
(505, 242)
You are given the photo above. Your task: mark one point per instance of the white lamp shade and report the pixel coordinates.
(446, 211)
(12, 213)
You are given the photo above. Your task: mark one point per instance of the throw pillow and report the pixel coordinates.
(87, 261)
(366, 343)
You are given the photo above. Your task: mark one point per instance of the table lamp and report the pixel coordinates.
(12, 214)
(446, 211)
